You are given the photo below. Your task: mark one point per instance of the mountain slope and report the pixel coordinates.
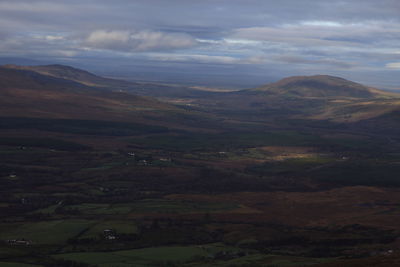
(319, 86)
(56, 91)
(331, 98)
(24, 93)
(90, 79)
(319, 97)
(68, 73)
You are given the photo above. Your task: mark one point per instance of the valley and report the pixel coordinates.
(101, 172)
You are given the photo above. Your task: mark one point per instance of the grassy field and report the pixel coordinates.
(16, 264)
(224, 141)
(150, 256)
(151, 206)
(49, 143)
(194, 256)
(263, 260)
(45, 232)
(86, 127)
(168, 206)
(360, 172)
(119, 227)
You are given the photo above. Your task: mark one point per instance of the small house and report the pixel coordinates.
(109, 234)
(19, 242)
(143, 162)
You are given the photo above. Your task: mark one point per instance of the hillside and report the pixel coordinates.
(26, 93)
(320, 97)
(52, 90)
(319, 86)
(89, 79)
(68, 73)
(41, 94)
(88, 173)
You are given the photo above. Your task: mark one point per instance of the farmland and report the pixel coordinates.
(229, 184)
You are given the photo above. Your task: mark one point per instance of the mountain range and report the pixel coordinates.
(305, 168)
(58, 91)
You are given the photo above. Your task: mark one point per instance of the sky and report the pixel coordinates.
(232, 43)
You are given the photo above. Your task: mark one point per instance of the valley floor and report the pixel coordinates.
(168, 199)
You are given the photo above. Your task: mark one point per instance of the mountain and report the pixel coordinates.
(24, 93)
(319, 97)
(162, 91)
(331, 98)
(31, 93)
(57, 91)
(319, 86)
(69, 73)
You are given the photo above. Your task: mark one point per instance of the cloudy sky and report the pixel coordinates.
(218, 42)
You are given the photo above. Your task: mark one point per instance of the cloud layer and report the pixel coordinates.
(350, 38)
(139, 41)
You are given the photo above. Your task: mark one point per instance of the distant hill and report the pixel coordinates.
(319, 86)
(25, 93)
(57, 91)
(18, 87)
(319, 97)
(69, 73)
(90, 79)
(325, 97)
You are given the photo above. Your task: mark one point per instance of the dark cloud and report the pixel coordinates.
(282, 37)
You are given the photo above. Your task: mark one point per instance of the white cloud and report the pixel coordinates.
(139, 41)
(322, 23)
(107, 39)
(393, 65)
(65, 53)
(206, 41)
(207, 59)
(323, 33)
(241, 42)
(54, 37)
(47, 37)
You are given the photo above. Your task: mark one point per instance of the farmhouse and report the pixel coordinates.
(143, 162)
(165, 159)
(19, 242)
(109, 234)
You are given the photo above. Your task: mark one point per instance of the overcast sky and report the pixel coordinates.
(232, 42)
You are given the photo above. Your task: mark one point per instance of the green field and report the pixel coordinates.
(190, 256)
(169, 206)
(87, 127)
(151, 206)
(50, 143)
(16, 264)
(149, 256)
(120, 227)
(225, 141)
(263, 260)
(46, 232)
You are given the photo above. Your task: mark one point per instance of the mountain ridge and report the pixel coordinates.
(322, 86)
(66, 72)
(317, 97)
(160, 91)
(319, 86)
(28, 92)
